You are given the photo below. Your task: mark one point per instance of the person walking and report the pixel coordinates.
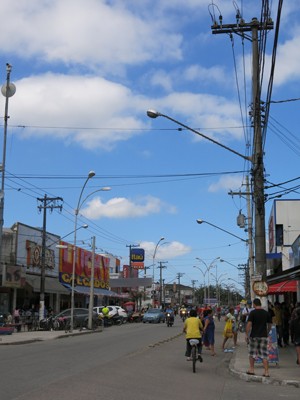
(295, 333)
(209, 332)
(257, 330)
(228, 335)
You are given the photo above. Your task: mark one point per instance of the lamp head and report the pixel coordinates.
(153, 113)
(200, 221)
(85, 226)
(106, 189)
(162, 238)
(91, 174)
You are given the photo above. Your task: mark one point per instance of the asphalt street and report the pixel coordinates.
(141, 361)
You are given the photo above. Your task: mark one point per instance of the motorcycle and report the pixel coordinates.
(169, 319)
(183, 315)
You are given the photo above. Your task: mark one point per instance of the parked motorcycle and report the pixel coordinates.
(169, 319)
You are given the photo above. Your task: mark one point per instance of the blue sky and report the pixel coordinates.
(86, 71)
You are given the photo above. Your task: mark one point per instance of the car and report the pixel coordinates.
(154, 315)
(60, 320)
(113, 310)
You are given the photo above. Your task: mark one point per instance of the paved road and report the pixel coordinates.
(139, 361)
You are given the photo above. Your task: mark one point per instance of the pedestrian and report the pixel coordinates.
(230, 329)
(295, 333)
(257, 331)
(209, 332)
(278, 322)
(16, 315)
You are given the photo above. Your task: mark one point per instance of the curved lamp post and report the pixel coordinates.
(155, 114)
(154, 254)
(201, 221)
(218, 280)
(90, 175)
(153, 262)
(203, 273)
(208, 267)
(257, 193)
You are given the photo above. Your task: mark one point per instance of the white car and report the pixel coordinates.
(112, 311)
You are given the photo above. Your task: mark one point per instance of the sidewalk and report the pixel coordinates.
(286, 372)
(38, 336)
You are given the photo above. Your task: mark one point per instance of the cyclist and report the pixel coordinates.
(192, 329)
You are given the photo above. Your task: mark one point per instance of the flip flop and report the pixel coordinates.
(266, 376)
(250, 373)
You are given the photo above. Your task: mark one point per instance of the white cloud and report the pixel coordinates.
(80, 102)
(214, 74)
(97, 113)
(226, 183)
(89, 32)
(120, 207)
(166, 250)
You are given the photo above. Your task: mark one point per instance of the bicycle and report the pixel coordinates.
(194, 353)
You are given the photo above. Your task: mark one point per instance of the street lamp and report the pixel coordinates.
(90, 175)
(155, 114)
(201, 221)
(8, 90)
(154, 254)
(79, 205)
(257, 165)
(153, 271)
(203, 273)
(218, 279)
(208, 267)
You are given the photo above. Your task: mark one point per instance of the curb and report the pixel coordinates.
(261, 379)
(43, 339)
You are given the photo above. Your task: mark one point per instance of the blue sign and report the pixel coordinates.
(137, 255)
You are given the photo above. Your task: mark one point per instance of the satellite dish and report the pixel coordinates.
(8, 90)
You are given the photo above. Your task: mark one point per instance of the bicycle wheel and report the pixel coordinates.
(194, 357)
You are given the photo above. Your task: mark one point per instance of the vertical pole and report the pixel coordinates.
(8, 90)
(250, 242)
(258, 165)
(43, 267)
(92, 280)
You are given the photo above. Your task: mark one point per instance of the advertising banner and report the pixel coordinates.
(14, 277)
(273, 356)
(137, 255)
(83, 265)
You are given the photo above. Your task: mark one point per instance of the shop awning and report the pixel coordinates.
(52, 285)
(97, 291)
(283, 287)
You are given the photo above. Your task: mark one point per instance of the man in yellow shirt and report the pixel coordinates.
(192, 329)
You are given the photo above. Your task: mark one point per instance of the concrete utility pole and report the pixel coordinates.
(250, 265)
(178, 276)
(47, 203)
(241, 28)
(7, 90)
(161, 266)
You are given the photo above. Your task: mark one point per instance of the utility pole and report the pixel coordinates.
(161, 266)
(241, 28)
(7, 90)
(178, 276)
(47, 203)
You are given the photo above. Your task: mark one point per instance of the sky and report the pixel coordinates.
(87, 71)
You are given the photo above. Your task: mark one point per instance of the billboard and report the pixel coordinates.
(137, 257)
(83, 265)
